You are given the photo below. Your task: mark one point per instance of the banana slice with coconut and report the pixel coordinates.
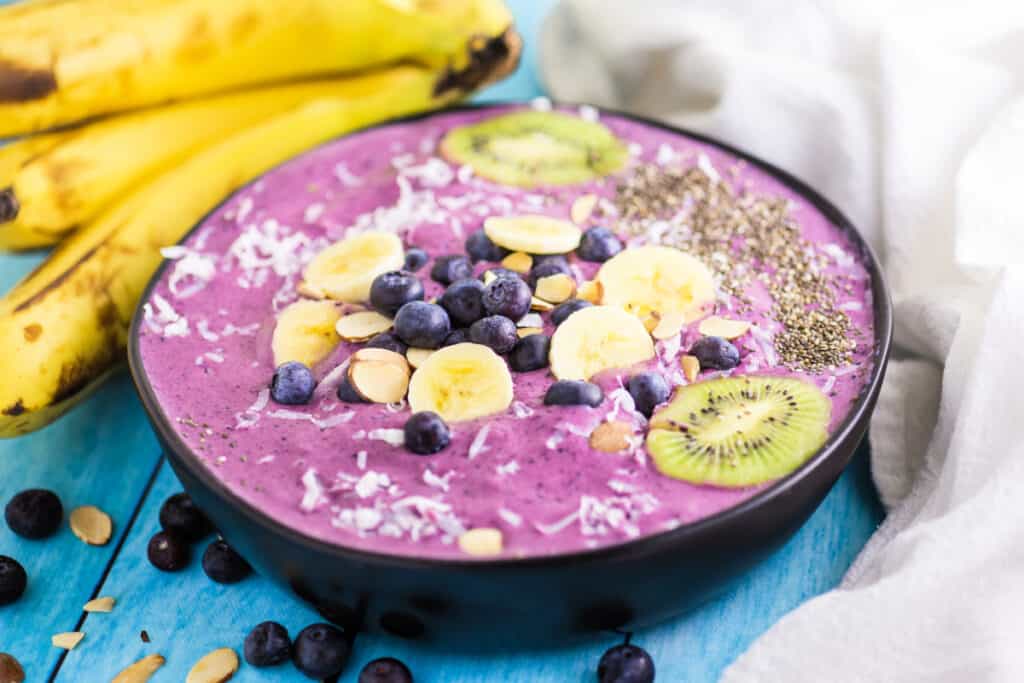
(345, 270)
(656, 283)
(461, 382)
(305, 332)
(598, 338)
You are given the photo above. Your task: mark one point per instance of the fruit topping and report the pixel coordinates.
(643, 280)
(648, 389)
(415, 258)
(598, 245)
(223, 564)
(387, 340)
(426, 433)
(573, 392)
(422, 325)
(305, 332)
(534, 234)
(463, 300)
(598, 338)
(460, 336)
(293, 384)
(448, 269)
(625, 664)
(13, 580)
(715, 326)
(556, 288)
(481, 542)
(385, 670)
(530, 353)
(582, 207)
(321, 651)
(715, 353)
(567, 308)
(417, 357)
(168, 553)
(392, 289)
(611, 437)
(556, 265)
(738, 431)
(180, 516)
(480, 248)
(345, 270)
(518, 261)
(507, 296)
(34, 513)
(461, 382)
(267, 644)
(496, 332)
(362, 326)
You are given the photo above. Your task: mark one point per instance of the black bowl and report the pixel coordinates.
(542, 599)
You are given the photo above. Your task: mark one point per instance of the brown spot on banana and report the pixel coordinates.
(24, 84)
(490, 58)
(17, 409)
(32, 332)
(55, 282)
(9, 205)
(243, 25)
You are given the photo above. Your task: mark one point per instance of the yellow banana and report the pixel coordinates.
(113, 55)
(65, 326)
(50, 189)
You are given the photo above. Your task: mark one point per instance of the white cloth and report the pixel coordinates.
(910, 116)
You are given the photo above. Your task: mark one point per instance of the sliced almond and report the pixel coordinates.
(377, 381)
(104, 604)
(716, 326)
(611, 437)
(381, 356)
(518, 261)
(91, 525)
(582, 208)
(691, 367)
(650, 320)
(140, 671)
(590, 291)
(668, 325)
(10, 669)
(556, 288)
(489, 276)
(216, 667)
(310, 291)
(416, 357)
(360, 327)
(68, 640)
(527, 331)
(530, 320)
(481, 542)
(540, 305)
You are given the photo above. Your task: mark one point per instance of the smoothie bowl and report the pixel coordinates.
(513, 371)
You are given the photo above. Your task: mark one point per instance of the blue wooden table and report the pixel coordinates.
(105, 454)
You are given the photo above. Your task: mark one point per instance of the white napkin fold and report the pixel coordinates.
(909, 116)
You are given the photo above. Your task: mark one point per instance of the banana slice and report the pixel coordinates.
(461, 382)
(597, 338)
(533, 234)
(656, 279)
(345, 270)
(305, 332)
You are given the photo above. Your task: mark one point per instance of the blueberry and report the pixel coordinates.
(598, 245)
(293, 384)
(507, 296)
(223, 564)
(167, 552)
(347, 393)
(456, 337)
(386, 340)
(495, 331)
(625, 664)
(464, 301)
(426, 433)
(448, 269)
(391, 290)
(567, 308)
(545, 269)
(715, 353)
(385, 670)
(415, 258)
(648, 389)
(422, 325)
(268, 644)
(480, 248)
(499, 271)
(34, 513)
(530, 353)
(541, 259)
(321, 651)
(180, 516)
(13, 580)
(573, 392)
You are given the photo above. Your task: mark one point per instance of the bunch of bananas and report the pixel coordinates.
(213, 94)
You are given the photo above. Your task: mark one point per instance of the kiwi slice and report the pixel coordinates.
(531, 148)
(738, 431)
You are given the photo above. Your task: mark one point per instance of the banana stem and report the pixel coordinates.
(8, 205)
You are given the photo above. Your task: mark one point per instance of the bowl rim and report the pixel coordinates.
(640, 546)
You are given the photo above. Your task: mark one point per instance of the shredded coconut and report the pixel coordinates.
(478, 445)
(394, 437)
(314, 494)
(510, 518)
(438, 482)
(510, 467)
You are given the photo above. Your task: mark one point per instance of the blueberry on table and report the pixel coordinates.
(456, 337)
(385, 670)
(464, 301)
(415, 258)
(480, 248)
(547, 268)
(34, 513)
(386, 340)
(293, 384)
(267, 644)
(168, 553)
(426, 433)
(422, 325)
(530, 353)
(448, 269)
(598, 245)
(390, 291)
(715, 353)
(321, 651)
(496, 332)
(223, 564)
(648, 389)
(573, 392)
(567, 308)
(625, 664)
(13, 580)
(507, 296)
(347, 393)
(180, 516)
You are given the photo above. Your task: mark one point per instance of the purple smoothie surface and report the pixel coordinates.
(337, 471)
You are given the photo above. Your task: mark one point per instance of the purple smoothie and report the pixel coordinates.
(337, 471)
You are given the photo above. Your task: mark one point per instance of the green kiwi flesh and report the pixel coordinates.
(738, 431)
(532, 148)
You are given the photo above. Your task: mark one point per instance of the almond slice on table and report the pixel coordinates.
(518, 261)
(611, 437)
(104, 604)
(10, 669)
(68, 640)
(691, 367)
(417, 357)
(140, 671)
(556, 288)
(482, 542)
(216, 667)
(362, 326)
(716, 326)
(91, 525)
(582, 208)
(668, 325)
